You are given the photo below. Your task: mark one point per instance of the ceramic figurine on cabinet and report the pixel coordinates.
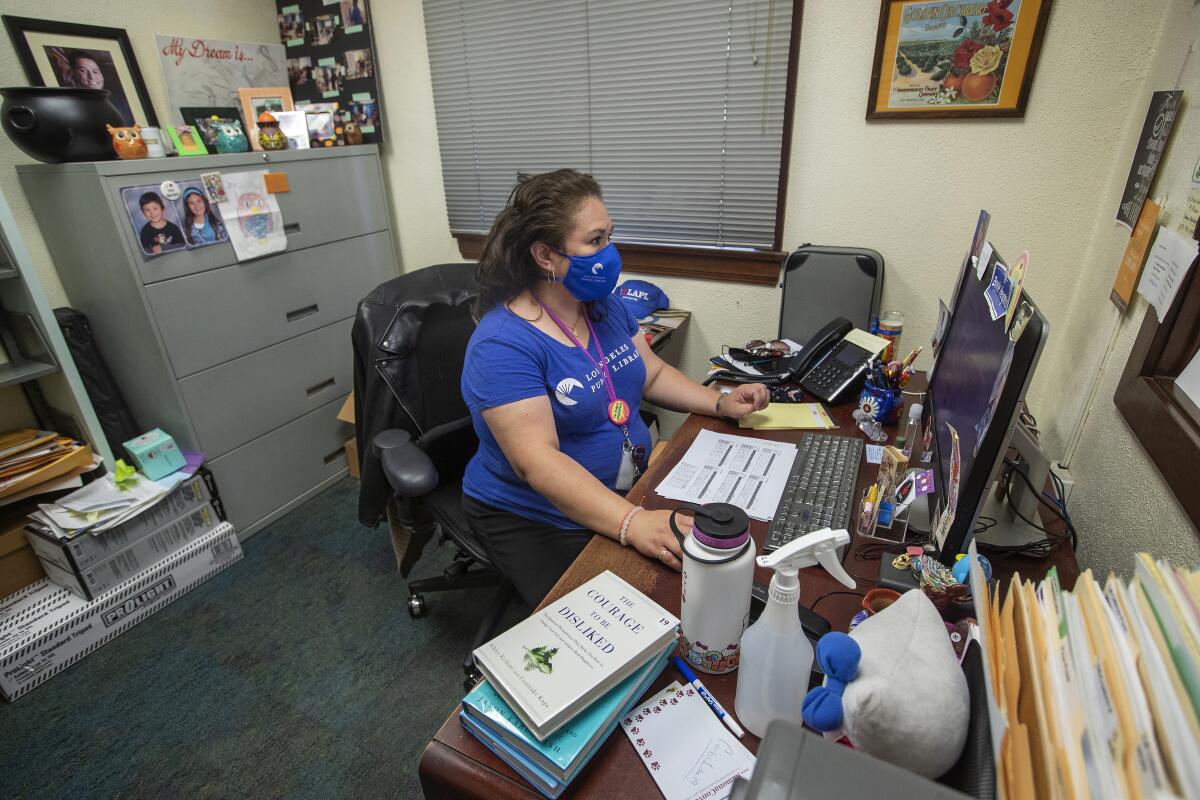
(128, 142)
(230, 138)
(269, 135)
(353, 133)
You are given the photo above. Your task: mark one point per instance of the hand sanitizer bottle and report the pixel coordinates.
(776, 655)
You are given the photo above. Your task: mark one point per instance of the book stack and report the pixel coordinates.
(33, 461)
(558, 683)
(1095, 691)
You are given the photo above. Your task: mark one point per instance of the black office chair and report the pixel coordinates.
(821, 283)
(415, 431)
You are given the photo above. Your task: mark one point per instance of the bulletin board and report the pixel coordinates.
(331, 55)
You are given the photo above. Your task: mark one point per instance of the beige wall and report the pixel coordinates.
(911, 190)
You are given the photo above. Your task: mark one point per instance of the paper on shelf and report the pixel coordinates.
(687, 750)
(748, 472)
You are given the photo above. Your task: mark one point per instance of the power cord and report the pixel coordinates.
(1058, 506)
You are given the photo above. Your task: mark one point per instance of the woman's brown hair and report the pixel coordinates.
(540, 208)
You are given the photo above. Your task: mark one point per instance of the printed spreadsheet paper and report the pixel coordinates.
(750, 473)
(687, 750)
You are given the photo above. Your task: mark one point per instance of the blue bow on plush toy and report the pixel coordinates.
(838, 656)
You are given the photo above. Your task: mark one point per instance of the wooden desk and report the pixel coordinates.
(456, 765)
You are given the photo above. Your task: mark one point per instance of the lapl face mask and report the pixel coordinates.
(595, 276)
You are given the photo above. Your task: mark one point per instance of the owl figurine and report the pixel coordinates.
(127, 142)
(230, 138)
(269, 135)
(353, 133)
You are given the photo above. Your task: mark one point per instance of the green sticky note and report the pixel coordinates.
(327, 62)
(353, 28)
(295, 42)
(290, 10)
(367, 128)
(361, 97)
(327, 95)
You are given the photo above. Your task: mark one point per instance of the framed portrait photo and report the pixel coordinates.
(202, 118)
(56, 53)
(256, 100)
(949, 58)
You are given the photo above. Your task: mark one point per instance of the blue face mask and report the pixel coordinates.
(595, 276)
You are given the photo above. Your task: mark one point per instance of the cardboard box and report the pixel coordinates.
(352, 457)
(84, 550)
(346, 414)
(19, 565)
(139, 556)
(44, 628)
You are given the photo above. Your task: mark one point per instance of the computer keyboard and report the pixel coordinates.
(820, 489)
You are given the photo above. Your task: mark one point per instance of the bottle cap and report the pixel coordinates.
(915, 410)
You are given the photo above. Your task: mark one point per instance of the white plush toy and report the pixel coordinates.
(894, 688)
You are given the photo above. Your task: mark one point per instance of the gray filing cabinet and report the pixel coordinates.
(248, 362)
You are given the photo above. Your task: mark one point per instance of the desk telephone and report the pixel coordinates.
(828, 367)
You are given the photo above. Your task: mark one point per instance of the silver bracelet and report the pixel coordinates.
(625, 524)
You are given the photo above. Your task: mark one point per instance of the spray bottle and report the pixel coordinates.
(776, 656)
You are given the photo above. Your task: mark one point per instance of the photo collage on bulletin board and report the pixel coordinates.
(331, 69)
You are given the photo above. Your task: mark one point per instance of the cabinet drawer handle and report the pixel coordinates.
(291, 228)
(301, 313)
(320, 387)
(335, 455)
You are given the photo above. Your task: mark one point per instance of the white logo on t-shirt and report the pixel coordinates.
(597, 268)
(564, 389)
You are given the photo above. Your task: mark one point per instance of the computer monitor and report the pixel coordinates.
(978, 385)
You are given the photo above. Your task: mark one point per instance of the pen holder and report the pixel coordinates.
(883, 403)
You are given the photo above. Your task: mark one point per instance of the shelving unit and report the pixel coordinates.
(34, 346)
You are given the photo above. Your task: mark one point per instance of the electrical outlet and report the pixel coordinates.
(1068, 483)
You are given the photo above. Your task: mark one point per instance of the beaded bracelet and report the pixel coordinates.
(625, 524)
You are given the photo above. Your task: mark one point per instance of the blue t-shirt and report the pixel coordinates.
(508, 359)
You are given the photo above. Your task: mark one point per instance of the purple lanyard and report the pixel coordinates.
(601, 365)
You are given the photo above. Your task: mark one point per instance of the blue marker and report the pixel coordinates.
(721, 713)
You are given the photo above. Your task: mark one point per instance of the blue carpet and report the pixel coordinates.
(295, 673)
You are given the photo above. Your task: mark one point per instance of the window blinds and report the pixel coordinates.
(675, 106)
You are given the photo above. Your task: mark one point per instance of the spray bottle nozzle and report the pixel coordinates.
(819, 547)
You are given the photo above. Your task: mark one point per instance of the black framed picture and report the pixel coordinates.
(202, 118)
(56, 53)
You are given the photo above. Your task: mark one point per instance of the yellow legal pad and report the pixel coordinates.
(785, 416)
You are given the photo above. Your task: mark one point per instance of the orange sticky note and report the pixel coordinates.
(276, 182)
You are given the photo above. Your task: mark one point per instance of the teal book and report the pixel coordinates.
(565, 751)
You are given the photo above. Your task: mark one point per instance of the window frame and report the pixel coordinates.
(1160, 416)
(733, 265)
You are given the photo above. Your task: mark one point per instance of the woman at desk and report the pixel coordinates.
(554, 377)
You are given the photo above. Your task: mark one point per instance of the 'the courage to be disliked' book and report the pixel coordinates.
(554, 664)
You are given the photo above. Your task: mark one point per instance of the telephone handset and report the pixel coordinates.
(790, 368)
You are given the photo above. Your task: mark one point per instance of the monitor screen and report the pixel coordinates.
(964, 377)
(978, 385)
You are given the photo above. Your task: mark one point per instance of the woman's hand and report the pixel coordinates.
(744, 399)
(651, 535)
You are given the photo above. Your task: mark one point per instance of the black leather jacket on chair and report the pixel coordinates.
(385, 371)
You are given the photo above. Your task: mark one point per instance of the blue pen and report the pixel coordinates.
(721, 713)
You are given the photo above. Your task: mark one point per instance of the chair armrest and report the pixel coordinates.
(408, 470)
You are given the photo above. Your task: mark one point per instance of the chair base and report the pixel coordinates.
(459, 576)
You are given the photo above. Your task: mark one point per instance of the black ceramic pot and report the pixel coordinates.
(60, 124)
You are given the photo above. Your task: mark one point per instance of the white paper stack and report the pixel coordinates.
(745, 471)
(99, 506)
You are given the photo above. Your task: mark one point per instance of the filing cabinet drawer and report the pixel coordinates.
(234, 402)
(211, 318)
(328, 200)
(258, 478)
